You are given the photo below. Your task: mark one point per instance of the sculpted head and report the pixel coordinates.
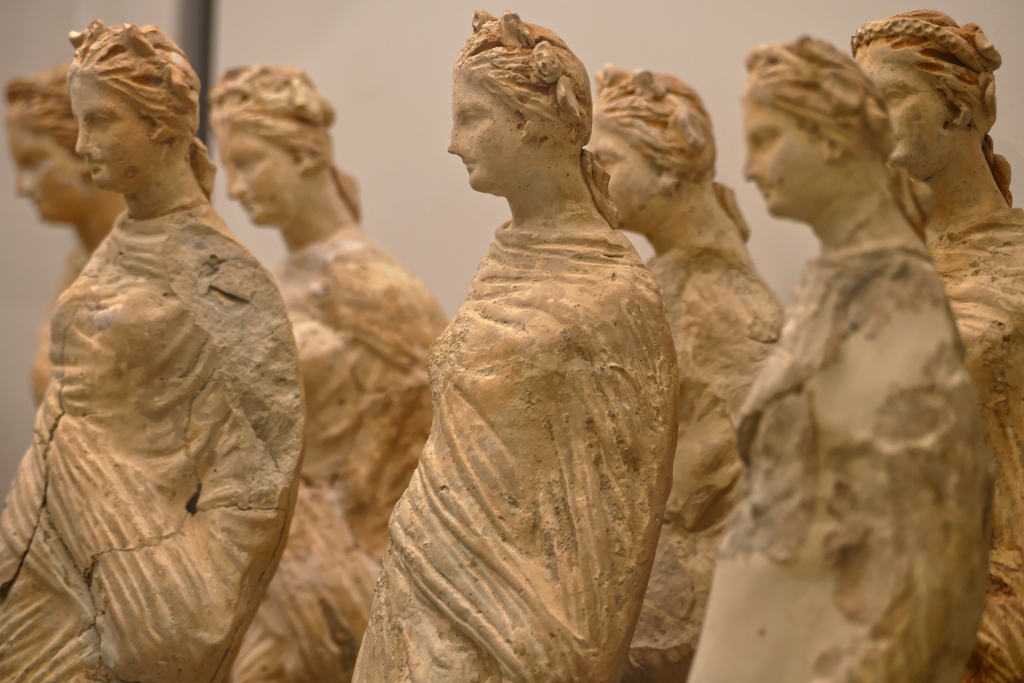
(42, 133)
(136, 99)
(272, 129)
(653, 135)
(808, 111)
(521, 103)
(938, 80)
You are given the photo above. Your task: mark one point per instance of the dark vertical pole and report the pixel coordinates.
(197, 42)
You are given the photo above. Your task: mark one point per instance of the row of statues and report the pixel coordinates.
(599, 470)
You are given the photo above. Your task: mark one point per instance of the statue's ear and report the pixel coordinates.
(965, 117)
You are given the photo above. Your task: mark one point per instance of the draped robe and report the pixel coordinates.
(725, 322)
(982, 264)
(363, 325)
(41, 366)
(858, 546)
(522, 548)
(150, 512)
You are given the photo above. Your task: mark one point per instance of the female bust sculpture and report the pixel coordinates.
(857, 548)
(363, 325)
(42, 132)
(937, 78)
(522, 548)
(653, 135)
(151, 510)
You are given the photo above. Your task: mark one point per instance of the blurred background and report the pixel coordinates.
(386, 66)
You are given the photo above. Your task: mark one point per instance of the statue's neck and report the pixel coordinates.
(695, 221)
(321, 213)
(965, 192)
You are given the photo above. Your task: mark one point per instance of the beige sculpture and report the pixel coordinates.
(42, 132)
(937, 78)
(653, 135)
(522, 548)
(152, 509)
(363, 325)
(857, 549)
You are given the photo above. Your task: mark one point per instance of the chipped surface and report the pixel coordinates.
(857, 550)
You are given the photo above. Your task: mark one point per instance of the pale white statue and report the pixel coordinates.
(858, 547)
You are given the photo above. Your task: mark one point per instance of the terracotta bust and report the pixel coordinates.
(522, 547)
(363, 324)
(937, 78)
(152, 508)
(858, 545)
(654, 136)
(42, 132)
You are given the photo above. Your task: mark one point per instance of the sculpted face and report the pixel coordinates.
(786, 162)
(114, 138)
(487, 135)
(635, 184)
(263, 176)
(49, 174)
(922, 117)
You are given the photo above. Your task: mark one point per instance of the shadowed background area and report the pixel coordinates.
(386, 66)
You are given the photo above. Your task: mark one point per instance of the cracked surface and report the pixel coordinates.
(363, 325)
(110, 569)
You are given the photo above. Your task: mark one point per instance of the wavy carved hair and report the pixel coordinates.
(534, 72)
(960, 61)
(663, 117)
(149, 70)
(281, 105)
(41, 103)
(828, 95)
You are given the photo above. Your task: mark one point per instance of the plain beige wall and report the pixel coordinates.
(386, 66)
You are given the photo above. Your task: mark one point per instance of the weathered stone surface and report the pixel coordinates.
(522, 548)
